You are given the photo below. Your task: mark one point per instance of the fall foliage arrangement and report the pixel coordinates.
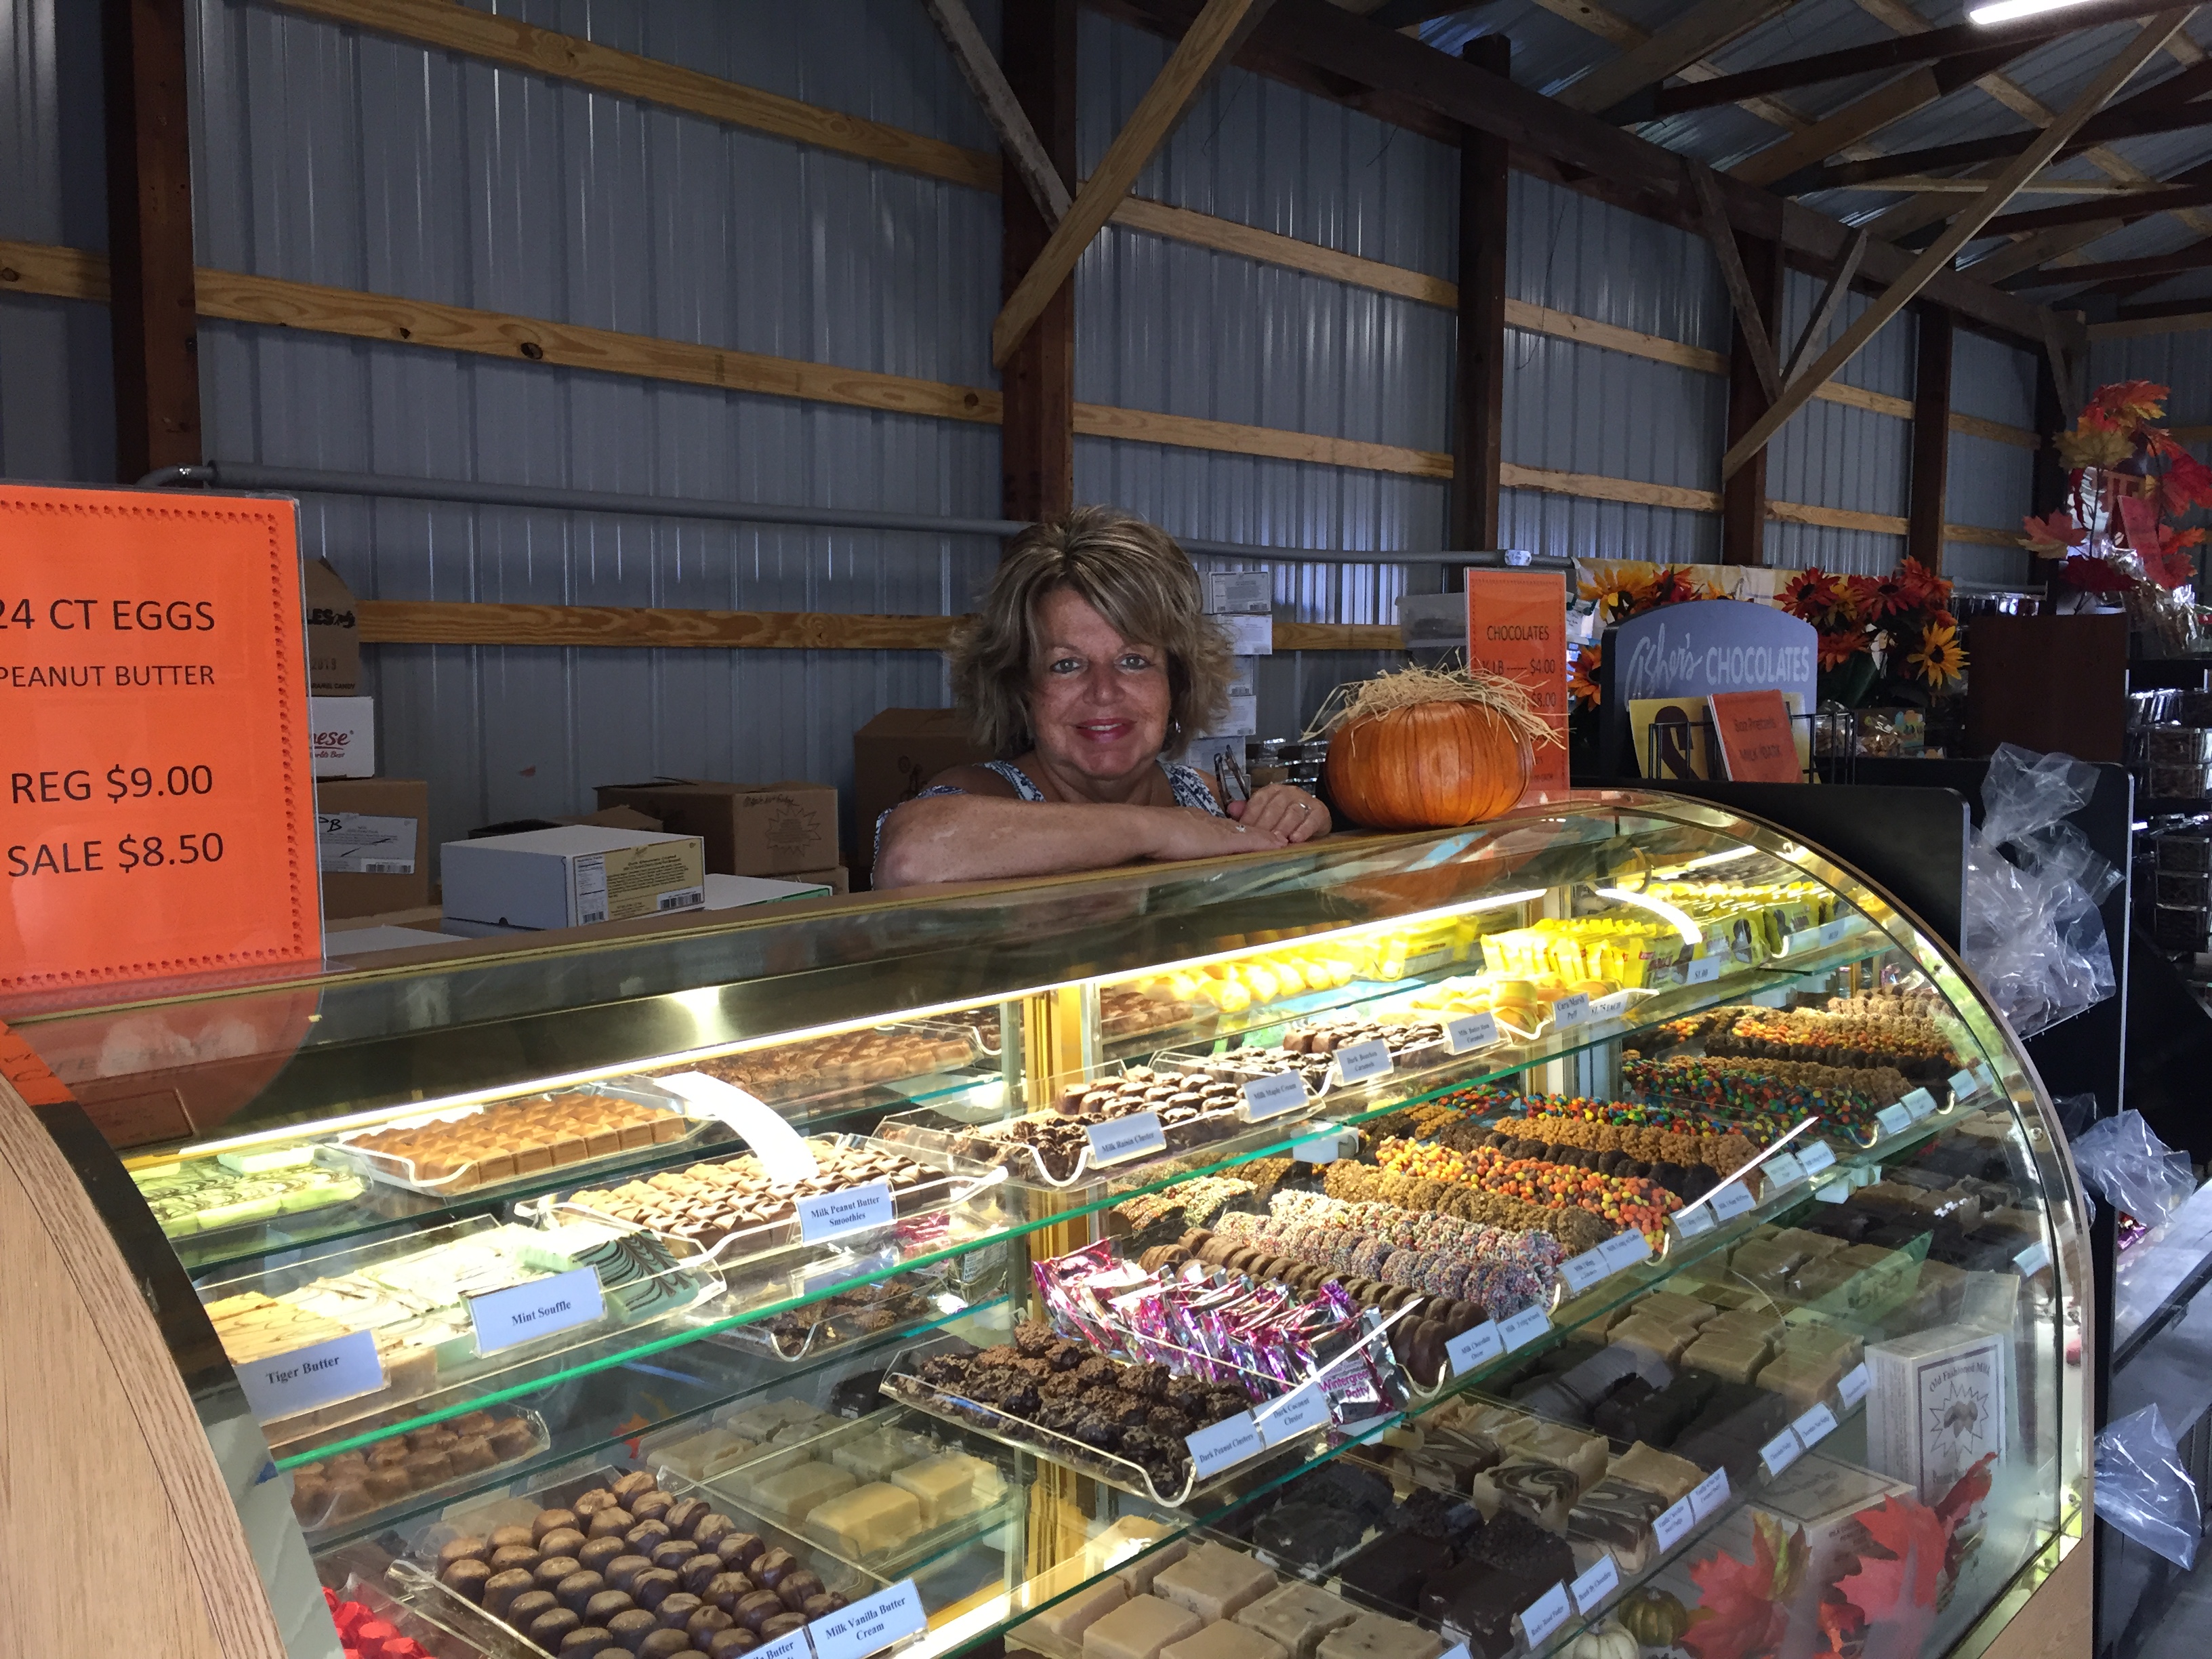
(1893, 635)
(1619, 595)
(2129, 484)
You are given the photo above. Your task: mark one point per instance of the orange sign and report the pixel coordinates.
(156, 796)
(1516, 626)
(1757, 745)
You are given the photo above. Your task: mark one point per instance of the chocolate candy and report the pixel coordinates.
(636, 1484)
(576, 1591)
(674, 1553)
(630, 1628)
(708, 1532)
(561, 1540)
(726, 1589)
(584, 1643)
(675, 1609)
(593, 1501)
(611, 1522)
(741, 1550)
(653, 1587)
(697, 1573)
(472, 1579)
(606, 1605)
(622, 1572)
(652, 1506)
(507, 1557)
(818, 1607)
(663, 1644)
(646, 1535)
(503, 1536)
(683, 1514)
(772, 1565)
(553, 1568)
(757, 1609)
(547, 1521)
(733, 1642)
(463, 1549)
(782, 1625)
(526, 1607)
(548, 1627)
(597, 1555)
(703, 1624)
(795, 1587)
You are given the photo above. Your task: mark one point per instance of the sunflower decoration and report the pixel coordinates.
(1826, 601)
(1940, 659)
(1613, 590)
(1838, 648)
(1581, 685)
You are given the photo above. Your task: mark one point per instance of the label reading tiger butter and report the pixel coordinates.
(284, 1383)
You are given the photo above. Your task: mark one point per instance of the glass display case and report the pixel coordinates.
(1614, 1229)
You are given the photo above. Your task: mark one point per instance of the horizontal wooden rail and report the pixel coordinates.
(274, 302)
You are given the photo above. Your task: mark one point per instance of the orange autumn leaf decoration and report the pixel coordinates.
(1744, 1605)
(1890, 1601)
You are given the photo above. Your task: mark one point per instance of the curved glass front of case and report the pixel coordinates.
(1616, 1224)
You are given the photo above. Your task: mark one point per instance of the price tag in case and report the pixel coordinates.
(1273, 1095)
(832, 1215)
(1816, 1425)
(1302, 1410)
(1673, 1524)
(1122, 1138)
(1832, 931)
(1703, 971)
(1894, 1120)
(2033, 1260)
(1800, 941)
(1853, 1388)
(1709, 1494)
(323, 1375)
(1624, 1250)
(1523, 1328)
(1779, 1453)
(1694, 1221)
(1478, 1345)
(1469, 1032)
(869, 1625)
(1815, 1156)
(1728, 1202)
(1582, 1271)
(1570, 1010)
(1783, 1170)
(1611, 1005)
(523, 1313)
(1217, 1446)
(1541, 1619)
(1356, 1062)
(792, 1646)
(1593, 1587)
(1919, 1104)
(1963, 1084)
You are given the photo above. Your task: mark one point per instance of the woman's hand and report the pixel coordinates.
(1279, 810)
(1185, 832)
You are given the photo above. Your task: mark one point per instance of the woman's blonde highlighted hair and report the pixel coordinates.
(1135, 577)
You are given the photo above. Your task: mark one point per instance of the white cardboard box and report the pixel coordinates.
(729, 892)
(1938, 1405)
(572, 876)
(343, 733)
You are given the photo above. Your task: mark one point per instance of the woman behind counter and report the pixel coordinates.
(1088, 663)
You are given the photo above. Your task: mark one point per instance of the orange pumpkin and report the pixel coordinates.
(1427, 765)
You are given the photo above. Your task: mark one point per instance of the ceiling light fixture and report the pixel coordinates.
(2006, 11)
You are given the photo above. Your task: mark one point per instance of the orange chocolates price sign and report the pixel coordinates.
(156, 798)
(1517, 627)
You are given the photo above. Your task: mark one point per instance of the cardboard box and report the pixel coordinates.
(343, 729)
(373, 844)
(617, 817)
(734, 892)
(333, 633)
(749, 828)
(837, 878)
(894, 757)
(572, 877)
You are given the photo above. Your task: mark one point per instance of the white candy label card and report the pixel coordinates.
(1779, 1453)
(1594, 1586)
(1800, 942)
(1541, 1619)
(1122, 1138)
(1523, 1328)
(1469, 1032)
(1611, 1005)
(793, 1646)
(1703, 971)
(1326, 1150)
(300, 1381)
(1963, 1084)
(1814, 1426)
(1730, 1201)
(1919, 1104)
(1218, 1445)
(1302, 1410)
(1673, 1524)
(1694, 1221)
(832, 1215)
(1273, 1095)
(1624, 1250)
(1709, 1494)
(1814, 1156)
(1569, 1011)
(1894, 1120)
(869, 1625)
(523, 1313)
(1583, 1271)
(1853, 1388)
(1356, 1062)
(2033, 1260)
(1783, 1170)
(1478, 1345)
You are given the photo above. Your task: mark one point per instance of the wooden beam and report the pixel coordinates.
(1188, 432)
(2160, 308)
(2117, 270)
(153, 320)
(2109, 80)
(2030, 251)
(1025, 152)
(1753, 316)
(1960, 39)
(1037, 454)
(1705, 26)
(2064, 365)
(1211, 41)
(1854, 121)
(2115, 213)
(1824, 314)
(1931, 438)
(1754, 384)
(1478, 376)
(1406, 13)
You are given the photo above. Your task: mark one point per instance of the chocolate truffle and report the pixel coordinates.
(822, 1606)
(755, 1610)
(473, 1579)
(795, 1587)
(526, 1607)
(388, 1485)
(547, 1521)
(674, 1553)
(606, 1605)
(646, 1535)
(708, 1532)
(611, 1522)
(703, 1624)
(733, 1642)
(653, 1506)
(782, 1625)
(771, 1566)
(675, 1609)
(630, 1628)
(463, 1549)
(561, 1540)
(653, 1587)
(310, 1496)
(684, 1514)
(596, 1555)
(507, 1557)
(548, 1627)
(553, 1568)
(741, 1550)
(696, 1574)
(584, 1643)
(622, 1572)
(511, 1438)
(503, 1536)
(576, 1591)
(726, 1589)
(636, 1484)
(593, 1501)
(663, 1644)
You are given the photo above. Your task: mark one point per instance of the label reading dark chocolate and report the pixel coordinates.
(1302, 1410)
(1218, 1445)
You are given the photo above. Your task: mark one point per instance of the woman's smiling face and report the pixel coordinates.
(1098, 703)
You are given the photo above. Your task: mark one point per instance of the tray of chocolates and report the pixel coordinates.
(482, 1148)
(734, 1212)
(1055, 1398)
(857, 1314)
(410, 1470)
(207, 1199)
(787, 1073)
(611, 1559)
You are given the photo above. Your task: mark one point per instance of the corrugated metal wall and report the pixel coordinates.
(326, 156)
(1991, 484)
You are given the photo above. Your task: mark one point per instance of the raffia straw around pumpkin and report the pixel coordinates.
(1405, 687)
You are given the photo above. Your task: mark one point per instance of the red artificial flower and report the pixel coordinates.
(1837, 648)
(2093, 576)
(1819, 599)
(1917, 585)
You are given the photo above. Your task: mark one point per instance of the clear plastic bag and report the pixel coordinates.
(2032, 930)
(2128, 1166)
(2143, 1490)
